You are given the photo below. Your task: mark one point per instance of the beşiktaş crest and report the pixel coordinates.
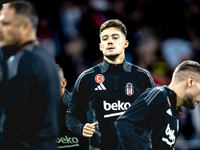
(129, 89)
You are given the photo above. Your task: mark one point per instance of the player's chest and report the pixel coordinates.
(114, 85)
(111, 94)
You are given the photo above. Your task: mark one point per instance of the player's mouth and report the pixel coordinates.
(110, 48)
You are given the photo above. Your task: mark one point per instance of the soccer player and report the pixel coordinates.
(152, 121)
(106, 89)
(32, 86)
(67, 139)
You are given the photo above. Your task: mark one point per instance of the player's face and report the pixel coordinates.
(9, 28)
(113, 42)
(192, 96)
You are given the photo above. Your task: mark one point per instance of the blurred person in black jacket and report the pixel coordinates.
(30, 82)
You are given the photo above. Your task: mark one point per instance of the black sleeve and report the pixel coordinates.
(16, 102)
(127, 137)
(76, 113)
(141, 110)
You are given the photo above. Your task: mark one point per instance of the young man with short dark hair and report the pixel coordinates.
(107, 89)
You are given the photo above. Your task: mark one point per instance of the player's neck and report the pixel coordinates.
(179, 97)
(117, 60)
(62, 93)
(31, 37)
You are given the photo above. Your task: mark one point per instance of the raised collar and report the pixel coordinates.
(172, 98)
(14, 49)
(105, 66)
(66, 97)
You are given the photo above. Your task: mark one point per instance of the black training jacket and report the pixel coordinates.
(151, 123)
(67, 140)
(108, 90)
(32, 93)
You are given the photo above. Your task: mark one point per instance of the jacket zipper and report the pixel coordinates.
(116, 88)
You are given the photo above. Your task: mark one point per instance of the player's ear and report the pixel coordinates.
(190, 81)
(100, 47)
(126, 44)
(64, 83)
(25, 26)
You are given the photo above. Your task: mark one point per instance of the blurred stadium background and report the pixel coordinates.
(161, 33)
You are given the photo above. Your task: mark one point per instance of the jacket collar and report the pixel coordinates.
(14, 49)
(172, 98)
(66, 97)
(105, 66)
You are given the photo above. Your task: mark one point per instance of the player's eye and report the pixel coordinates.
(104, 39)
(115, 37)
(5, 23)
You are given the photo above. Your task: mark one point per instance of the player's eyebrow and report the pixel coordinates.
(115, 34)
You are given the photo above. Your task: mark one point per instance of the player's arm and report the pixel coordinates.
(130, 125)
(76, 119)
(16, 100)
(126, 134)
(127, 130)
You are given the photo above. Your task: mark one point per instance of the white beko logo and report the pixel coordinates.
(116, 106)
(171, 137)
(69, 141)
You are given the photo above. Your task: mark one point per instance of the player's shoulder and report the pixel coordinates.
(159, 89)
(156, 94)
(21, 59)
(139, 70)
(33, 53)
(136, 70)
(89, 72)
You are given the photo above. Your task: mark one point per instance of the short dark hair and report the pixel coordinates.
(60, 72)
(185, 68)
(24, 8)
(188, 65)
(114, 23)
